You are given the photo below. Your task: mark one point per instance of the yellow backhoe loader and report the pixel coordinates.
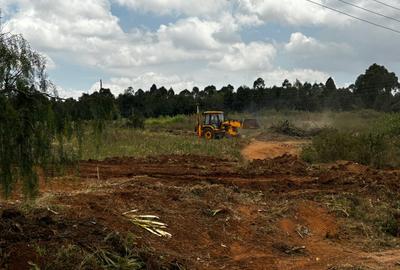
(213, 125)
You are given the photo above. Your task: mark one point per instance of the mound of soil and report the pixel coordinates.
(283, 165)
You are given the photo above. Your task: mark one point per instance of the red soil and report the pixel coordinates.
(269, 216)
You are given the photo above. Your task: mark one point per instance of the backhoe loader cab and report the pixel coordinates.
(214, 118)
(211, 126)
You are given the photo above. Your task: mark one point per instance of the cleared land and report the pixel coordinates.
(222, 213)
(273, 214)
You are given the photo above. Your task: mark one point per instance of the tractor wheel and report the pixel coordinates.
(208, 134)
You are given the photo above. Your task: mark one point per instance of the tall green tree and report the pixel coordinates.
(330, 85)
(375, 82)
(259, 84)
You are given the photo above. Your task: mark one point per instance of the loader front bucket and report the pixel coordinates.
(250, 123)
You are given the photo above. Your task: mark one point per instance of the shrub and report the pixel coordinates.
(372, 149)
(331, 145)
(391, 225)
(135, 121)
(309, 154)
(368, 148)
(389, 124)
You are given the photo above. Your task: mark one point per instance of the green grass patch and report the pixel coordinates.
(118, 141)
(178, 122)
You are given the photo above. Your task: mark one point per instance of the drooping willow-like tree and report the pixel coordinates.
(28, 125)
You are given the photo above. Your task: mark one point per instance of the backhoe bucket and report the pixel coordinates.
(250, 123)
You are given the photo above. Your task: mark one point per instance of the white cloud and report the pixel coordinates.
(69, 93)
(191, 33)
(89, 33)
(145, 81)
(276, 77)
(96, 39)
(64, 24)
(248, 20)
(294, 12)
(185, 7)
(301, 44)
(254, 56)
(248, 12)
(308, 52)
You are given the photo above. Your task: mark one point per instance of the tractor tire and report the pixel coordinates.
(208, 134)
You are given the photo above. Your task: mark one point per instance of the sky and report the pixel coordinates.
(187, 43)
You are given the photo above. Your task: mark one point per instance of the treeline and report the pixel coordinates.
(376, 89)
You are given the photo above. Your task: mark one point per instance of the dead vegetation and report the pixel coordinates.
(287, 128)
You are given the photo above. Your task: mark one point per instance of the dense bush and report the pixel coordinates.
(389, 124)
(376, 147)
(135, 121)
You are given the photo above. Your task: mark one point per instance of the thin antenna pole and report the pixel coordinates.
(101, 84)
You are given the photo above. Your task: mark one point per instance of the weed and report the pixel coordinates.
(33, 266)
(377, 219)
(111, 260)
(69, 257)
(347, 267)
(41, 251)
(114, 252)
(135, 121)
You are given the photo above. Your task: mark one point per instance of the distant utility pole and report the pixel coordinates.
(101, 84)
(2, 34)
(1, 20)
